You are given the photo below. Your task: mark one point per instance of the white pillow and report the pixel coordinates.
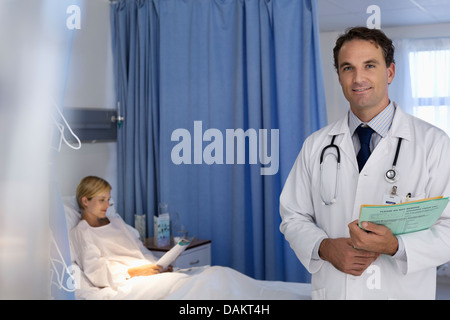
(73, 212)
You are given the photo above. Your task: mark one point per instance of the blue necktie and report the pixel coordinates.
(364, 133)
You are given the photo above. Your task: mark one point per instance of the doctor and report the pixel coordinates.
(332, 178)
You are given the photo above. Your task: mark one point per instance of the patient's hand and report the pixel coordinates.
(145, 270)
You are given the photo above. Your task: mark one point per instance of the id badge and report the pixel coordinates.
(391, 199)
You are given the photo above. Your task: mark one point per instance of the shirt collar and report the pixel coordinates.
(381, 123)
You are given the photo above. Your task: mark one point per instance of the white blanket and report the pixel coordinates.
(203, 283)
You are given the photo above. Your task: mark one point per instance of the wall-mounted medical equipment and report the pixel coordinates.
(93, 125)
(59, 136)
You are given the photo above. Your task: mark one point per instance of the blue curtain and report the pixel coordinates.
(187, 73)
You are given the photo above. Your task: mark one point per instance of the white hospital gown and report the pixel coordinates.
(106, 253)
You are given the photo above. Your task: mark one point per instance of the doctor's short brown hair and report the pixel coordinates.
(372, 35)
(89, 187)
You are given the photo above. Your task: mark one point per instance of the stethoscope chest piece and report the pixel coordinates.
(391, 175)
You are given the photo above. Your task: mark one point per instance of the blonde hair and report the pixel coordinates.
(90, 187)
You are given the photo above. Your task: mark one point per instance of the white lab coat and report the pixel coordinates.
(424, 171)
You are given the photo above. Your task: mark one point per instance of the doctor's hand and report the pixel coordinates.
(375, 238)
(344, 257)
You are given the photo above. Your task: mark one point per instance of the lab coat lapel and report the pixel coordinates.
(400, 128)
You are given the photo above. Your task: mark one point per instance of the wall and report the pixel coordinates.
(90, 84)
(336, 103)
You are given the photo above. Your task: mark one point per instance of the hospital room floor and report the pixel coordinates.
(443, 288)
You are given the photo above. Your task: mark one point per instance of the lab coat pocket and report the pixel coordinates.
(414, 198)
(318, 294)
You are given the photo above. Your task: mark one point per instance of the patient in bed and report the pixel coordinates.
(106, 248)
(118, 266)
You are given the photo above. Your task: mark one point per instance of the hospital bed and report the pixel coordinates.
(199, 283)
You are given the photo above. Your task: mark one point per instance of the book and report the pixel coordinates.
(406, 217)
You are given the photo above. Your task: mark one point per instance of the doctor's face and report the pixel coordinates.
(364, 77)
(97, 205)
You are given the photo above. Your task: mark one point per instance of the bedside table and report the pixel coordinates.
(197, 254)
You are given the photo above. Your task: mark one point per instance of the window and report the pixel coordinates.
(430, 86)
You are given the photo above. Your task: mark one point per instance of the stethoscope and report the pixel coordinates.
(391, 175)
(338, 161)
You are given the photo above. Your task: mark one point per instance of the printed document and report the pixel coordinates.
(172, 255)
(405, 217)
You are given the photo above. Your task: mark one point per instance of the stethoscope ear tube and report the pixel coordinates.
(338, 159)
(333, 200)
(331, 145)
(392, 174)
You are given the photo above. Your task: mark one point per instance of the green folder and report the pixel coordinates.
(405, 217)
